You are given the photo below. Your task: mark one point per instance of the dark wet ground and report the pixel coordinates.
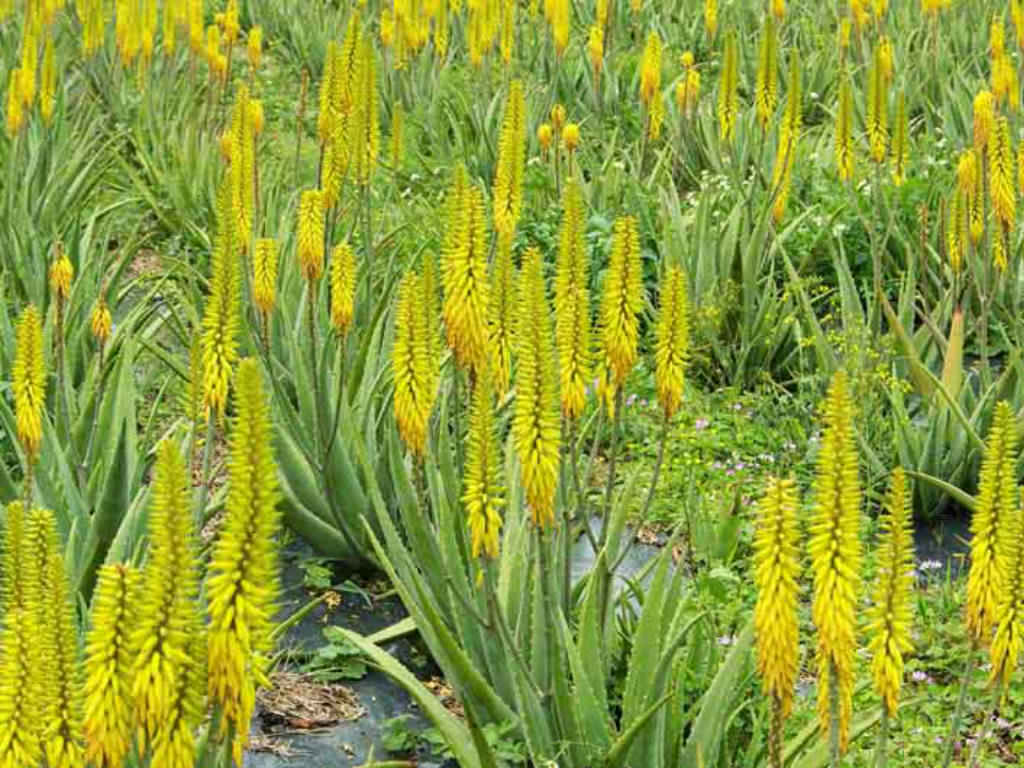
(363, 609)
(347, 742)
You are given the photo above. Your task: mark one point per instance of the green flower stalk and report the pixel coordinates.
(991, 531)
(672, 343)
(502, 316)
(1009, 637)
(28, 381)
(167, 621)
(767, 87)
(60, 672)
(411, 366)
(836, 560)
(221, 317)
(622, 302)
(728, 89)
(510, 168)
(535, 423)
(572, 304)
(482, 493)
(776, 570)
(891, 615)
(344, 275)
(109, 667)
(19, 715)
(465, 275)
(242, 579)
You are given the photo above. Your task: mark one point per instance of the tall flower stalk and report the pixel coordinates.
(835, 550)
(891, 615)
(991, 549)
(29, 385)
(776, 570)
(242, 579)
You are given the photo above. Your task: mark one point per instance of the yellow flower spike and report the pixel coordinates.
(885, 58)
(28, 380)
(836, 560)
(19, 706)
(571, 137)
(502, 317)
(544, 135)
(325, 120)
(672, 341)
(61, 722)
(29, 63)
(254, 47)
(728, 89)
(254, 116)
(365, 128)
(343, 287)
(558, 116)
(877, 109)
(48, 84)
(61, 274)
(711, 18)
(622, 300)
(984, 119)
(779, 9)
(688, 87)
(767, 86)
(844, 36)
(900, 150)
(891, 616)
(991, 526)
(535, 424)
(572, 303)
(219, 338)
(231, 25)
(241, 585)
(15, 112)
(311, 234)
(561, 20)
(976, 209)
(264, 274)
(508, 29)
(101, 321)
(1009, 636)
(650, 70)
(13, 574)
(776, 571)
(167, 618)
(595, 49)
(466, 288)
(195, 25)
(1003, 190)
(109, 658)
(482, 493)
(844, 130)
(954, 244)
(411, 367)
(997, 37)
(510, 168)
(789, 135)
(397, 136)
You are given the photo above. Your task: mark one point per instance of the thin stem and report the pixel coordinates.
(657, 467)
(985, 730)
(961, 704)
(317, 435)
(612, 461)
(833, 706)
(204, 489)
(95, 419)
(882, 754)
